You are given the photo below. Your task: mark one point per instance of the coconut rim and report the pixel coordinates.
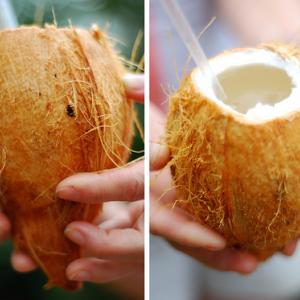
(265, 56)
(35, 27)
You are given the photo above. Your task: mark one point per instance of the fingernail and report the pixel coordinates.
(81, 276)
(159, 155)
(247, 266)
(155, 149)
(133, 82)
(4, 228)
(74, 235)
(67, 193)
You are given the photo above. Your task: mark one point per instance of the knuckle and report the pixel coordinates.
(136, 188)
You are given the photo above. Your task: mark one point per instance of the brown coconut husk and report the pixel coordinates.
(239, 178)
(63, 110)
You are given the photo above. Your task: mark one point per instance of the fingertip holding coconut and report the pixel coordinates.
(236, 162)
(63, 110)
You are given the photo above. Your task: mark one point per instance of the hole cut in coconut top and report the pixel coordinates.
(258, 83)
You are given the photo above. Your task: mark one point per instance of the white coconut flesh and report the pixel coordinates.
(258, 83)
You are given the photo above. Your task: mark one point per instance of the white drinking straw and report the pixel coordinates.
(190, 40)
(8, 17)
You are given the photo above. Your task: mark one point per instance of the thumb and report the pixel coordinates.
(123, 184)
(159, 156)
(134, 84)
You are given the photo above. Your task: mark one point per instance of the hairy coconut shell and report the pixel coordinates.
(238, 177)
(63, 110)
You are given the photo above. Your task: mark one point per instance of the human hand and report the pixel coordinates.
(114, 248)
(134, 85)
(19, 261)
(177, 226)
(265, 21)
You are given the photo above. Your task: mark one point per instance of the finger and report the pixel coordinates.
(176, 227)
(157, 121)
(159, 152)
(122, 244)
(123, 184)
(159, 156)
(4, 227)
(162, 186)
(101, 271)
(224, 260)
(137, 215)
(125, 218)
(134, 84)
(22, 263)
(290, 249)
(114, 210)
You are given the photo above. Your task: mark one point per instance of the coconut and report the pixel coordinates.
(63, 110)
(236, 161)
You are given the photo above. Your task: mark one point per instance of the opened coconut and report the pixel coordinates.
(63, 110)
(236, 161)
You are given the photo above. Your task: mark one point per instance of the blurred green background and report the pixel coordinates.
(123, 20)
